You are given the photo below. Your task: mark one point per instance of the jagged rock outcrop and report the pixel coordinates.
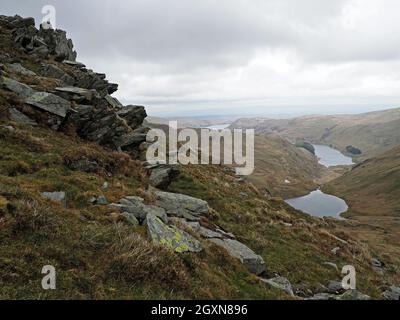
(42, 42)
(81, 97)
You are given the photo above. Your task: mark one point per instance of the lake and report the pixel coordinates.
(330, 157)
(319, 204)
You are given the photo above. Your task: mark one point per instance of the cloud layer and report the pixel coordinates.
(238, 56)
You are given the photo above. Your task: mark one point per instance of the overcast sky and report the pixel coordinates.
(203, 57)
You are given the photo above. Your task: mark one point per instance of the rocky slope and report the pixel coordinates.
(371, 133)
(75, 193)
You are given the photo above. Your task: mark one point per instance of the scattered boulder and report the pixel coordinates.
(162, 176)
(170, 236)
(393, 293)
(182, 206)
(253, 262)
(280, 283)
(59, 197)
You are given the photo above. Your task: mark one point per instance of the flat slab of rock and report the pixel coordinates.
(181, 206)
(75, 93)
(19, 88)
(50, 103)
(253, 262)
(170, 236)
(77, 64)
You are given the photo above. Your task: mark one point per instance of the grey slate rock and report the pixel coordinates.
(130, 218)
(19, 88)
(134, 115)
(170, 236)
(50, 103)
(209, 234)
(181, 206)
(113, 102)
(162, 176)
(18, 68)
(57, 197)
(79, 95)
(280, 283)
(253, 262)
(52, 71)
(19, 117)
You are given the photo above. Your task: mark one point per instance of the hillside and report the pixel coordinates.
(283, 170)
(373, 186)
(76, 193)
(373, 133)
(372, 190)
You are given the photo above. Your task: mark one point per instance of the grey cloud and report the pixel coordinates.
(168, 52)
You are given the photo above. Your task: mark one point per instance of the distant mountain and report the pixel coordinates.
(185, 122)
(369, 133)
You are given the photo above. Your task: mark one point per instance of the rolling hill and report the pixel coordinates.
(372, 133)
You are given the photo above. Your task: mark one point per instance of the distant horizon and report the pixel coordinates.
(278, 114)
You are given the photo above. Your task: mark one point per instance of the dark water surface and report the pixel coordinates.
(330, 157)
(319, 204)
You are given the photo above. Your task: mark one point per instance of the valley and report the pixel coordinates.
(77, 193)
